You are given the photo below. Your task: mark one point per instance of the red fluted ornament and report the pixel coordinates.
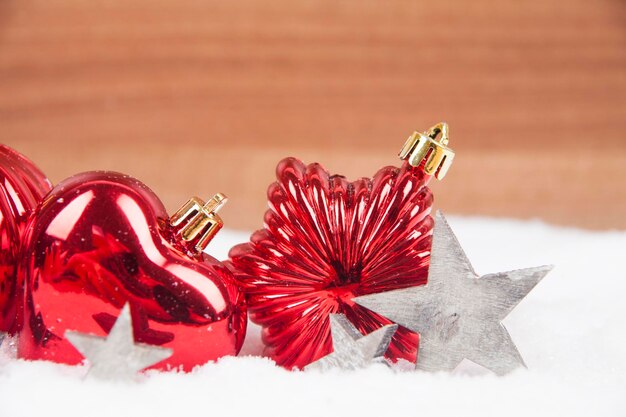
(101, 240)
(327, 240)
(22, 187)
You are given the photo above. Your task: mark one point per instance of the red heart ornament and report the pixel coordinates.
(100, 240)
(22, 187)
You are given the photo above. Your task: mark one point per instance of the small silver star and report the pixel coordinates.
(352, 350)
(117, 355)
(458, 314)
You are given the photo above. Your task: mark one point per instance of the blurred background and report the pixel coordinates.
(195, 97)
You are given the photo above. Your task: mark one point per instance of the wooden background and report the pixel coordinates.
(193, 97)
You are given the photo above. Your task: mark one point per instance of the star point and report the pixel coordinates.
(351, 349)
(457, 313)
(117, 355)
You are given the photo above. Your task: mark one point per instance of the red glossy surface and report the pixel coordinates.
(325, 241)
(103, 239)
(22, 187)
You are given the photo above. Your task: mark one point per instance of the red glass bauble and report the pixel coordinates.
(101, 240)
(327, 240)
(22, 187)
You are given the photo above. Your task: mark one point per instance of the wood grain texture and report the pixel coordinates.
(194, 97)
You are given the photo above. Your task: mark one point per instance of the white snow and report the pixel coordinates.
(570, 330)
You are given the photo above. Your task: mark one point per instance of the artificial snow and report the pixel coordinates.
(570, 331)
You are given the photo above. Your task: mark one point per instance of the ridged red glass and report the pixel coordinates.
(22, 187)
(100, 240)
(327, 240)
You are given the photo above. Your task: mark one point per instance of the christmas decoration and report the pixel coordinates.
(101, 240)
(352, 350)
(327, 240)
(458, 314)
(117, 356)
(22, 187)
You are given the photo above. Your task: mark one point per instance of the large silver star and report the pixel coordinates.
(352, 350)
(458, 314)
(117, 355)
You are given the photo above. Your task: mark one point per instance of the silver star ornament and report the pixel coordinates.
(457, 313)
(117, 356)
(352, 350)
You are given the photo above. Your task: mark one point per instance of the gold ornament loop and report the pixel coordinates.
(197, 223)
(431, 149)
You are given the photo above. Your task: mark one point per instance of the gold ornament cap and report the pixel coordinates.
(196, 223)
(431, 149)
